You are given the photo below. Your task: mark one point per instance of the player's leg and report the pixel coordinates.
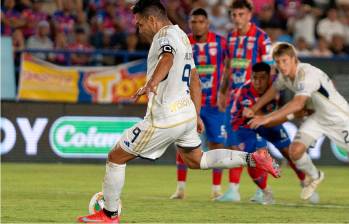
(195, 158)
(339, 134)
(182, 170)
(278, 136)
(264, 194)
(232, 141)
(141, 140)
(305, 137)
(112, 186)
(215, 135)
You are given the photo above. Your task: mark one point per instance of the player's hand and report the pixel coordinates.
(221, 102)
(248, 112)
(303, 113)
(148, 88)
(258, 121)
(200, 126)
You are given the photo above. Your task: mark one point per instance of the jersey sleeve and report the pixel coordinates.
(265, 49)
(307, 84)
(279, 83)
(166, 42)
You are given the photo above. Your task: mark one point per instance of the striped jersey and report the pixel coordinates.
(209, 60)
(247, 96)
(245, 51)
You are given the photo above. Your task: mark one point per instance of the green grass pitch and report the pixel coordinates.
(60, 193)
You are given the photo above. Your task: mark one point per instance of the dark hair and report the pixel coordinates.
(261, 67)
(149, 7)
(240, 4)
(199, 12)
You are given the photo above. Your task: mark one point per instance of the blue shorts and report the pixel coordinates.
(232, 138)
(214, 124)
(248, 140)
(276, 135)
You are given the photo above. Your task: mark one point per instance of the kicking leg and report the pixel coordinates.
(112, 186)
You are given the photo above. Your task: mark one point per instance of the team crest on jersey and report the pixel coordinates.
(250, 45)
(246, 102)
(213, 51)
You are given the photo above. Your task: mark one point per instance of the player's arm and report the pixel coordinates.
(266, 98)
(161, 71)
(222, 93)
(195, 90)
(195, 94)
(285, 113)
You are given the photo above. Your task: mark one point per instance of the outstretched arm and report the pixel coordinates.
(266, 98)
(295, 105)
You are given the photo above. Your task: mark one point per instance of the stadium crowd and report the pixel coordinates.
(318, 28)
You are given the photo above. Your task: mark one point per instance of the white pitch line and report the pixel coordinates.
(311, 205)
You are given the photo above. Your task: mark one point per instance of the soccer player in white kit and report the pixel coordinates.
(315, 91)
(172, 113)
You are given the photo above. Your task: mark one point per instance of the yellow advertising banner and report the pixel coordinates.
(42, 81)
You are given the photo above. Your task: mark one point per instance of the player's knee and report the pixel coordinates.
(193, 164)
(296, 151)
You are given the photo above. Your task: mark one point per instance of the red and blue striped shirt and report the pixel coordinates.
(247, 96)
(209, 60)
(245, 51)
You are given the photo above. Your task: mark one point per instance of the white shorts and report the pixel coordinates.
(146, 141)
(338, 133)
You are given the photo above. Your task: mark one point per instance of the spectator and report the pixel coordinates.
(60, 44)
(18, 41)
(322, 49)
(81, 44)
(32, 16)
(106, 20)
(11, 18)
(81, 23)
(260, 4)
(64, 20)
(41, 39)
(176, 14)
(219, 20)
(304, 25)
(125, 16)
(268, 18)
(338, 45)
(18, 44)
(302, 47)
(131, 42)
(330, 25)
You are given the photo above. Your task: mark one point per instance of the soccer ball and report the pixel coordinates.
(97, 203)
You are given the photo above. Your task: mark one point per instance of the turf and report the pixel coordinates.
(60, 193)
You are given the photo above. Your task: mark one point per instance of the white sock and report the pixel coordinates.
(234, 186)
(305, 164)
(114, 180)
(216, 188)
(222, 158)
(181, 185)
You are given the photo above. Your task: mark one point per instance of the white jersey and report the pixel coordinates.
(330, 107)
(172, 104)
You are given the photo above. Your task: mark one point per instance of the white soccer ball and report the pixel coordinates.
(314, 198)
(97, 203)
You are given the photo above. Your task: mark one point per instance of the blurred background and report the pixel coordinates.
(70, 67)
